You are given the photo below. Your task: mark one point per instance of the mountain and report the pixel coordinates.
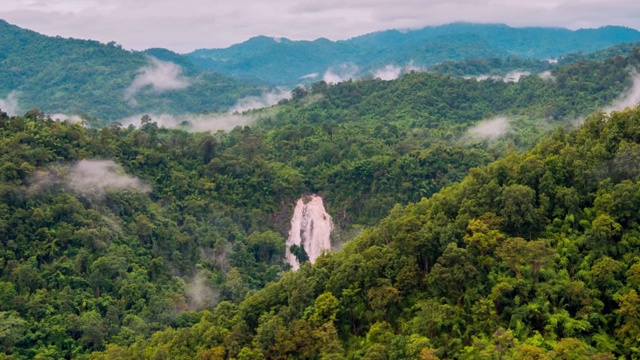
(123, 239)
(104, 81)
(534, 256)
(287, 62)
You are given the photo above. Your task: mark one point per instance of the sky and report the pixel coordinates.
(186, 25)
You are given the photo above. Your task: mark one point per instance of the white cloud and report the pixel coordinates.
(195, 122)
(547, 76)
(200, 293)
(392, 72)
(159, 76)
(629, 99)
(489, 129)
(99, 176)
(341, 73)
(69, 118)
(513, 76)
(89, 177)
(9, 104)
(267, 99)
(389, 72)
(142, 24)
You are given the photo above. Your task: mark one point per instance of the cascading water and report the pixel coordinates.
(311, 228)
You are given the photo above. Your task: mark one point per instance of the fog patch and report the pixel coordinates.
(577, 122)
(490, 129)
(547, 76)
(195, 122)
(392, 72)
(9, 104)
(89, 177)
(158, 76)
(100, 176)
(341, 73)
(200, 293)
(73, 119)
(389, 72)
(513, 76)
(310, 76)
(268, 98)
(628, 99)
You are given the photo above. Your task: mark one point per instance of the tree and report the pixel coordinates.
(12, 329)
(513, 253)
(519, 215)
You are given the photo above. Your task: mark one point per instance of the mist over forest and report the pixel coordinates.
(460, 191)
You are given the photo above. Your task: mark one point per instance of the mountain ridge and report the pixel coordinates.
(283, 61)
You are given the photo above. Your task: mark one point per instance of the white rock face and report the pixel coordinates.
(311, 228)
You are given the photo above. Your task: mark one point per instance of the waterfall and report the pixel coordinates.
(311, 228)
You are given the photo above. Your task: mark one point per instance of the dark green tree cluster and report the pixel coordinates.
(532, 257)
(90, 79)
(102, 269)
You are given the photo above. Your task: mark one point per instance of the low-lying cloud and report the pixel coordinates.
(267, 99)
(389, 72)
(158, 76)
(490, 129)
(195, 122)
(513, 76)
(547, 76)
(69, 118)
(629, 99)
(90, 177)
(9, 104)
(338, 74)
(200, 293)
(310, 76)
(392, 72)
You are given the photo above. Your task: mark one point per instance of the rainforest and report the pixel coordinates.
(485, 207)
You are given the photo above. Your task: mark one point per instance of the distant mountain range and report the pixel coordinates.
(80, 77)
(286, 62)
(107, 82)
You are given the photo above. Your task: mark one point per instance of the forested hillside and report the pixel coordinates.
(288, 62)
(108, 235)
(87, 78)
(532, 257)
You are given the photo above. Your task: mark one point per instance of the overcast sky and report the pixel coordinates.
(186, 25)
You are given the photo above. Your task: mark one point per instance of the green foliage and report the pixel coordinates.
(540, 244)
(288, 62)
(90, 79)
(565, 289)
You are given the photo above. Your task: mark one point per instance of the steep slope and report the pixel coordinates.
(287, 62)
(533, 256)
(78, 77)
(109, 235)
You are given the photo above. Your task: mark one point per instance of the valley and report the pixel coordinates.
(433, 203)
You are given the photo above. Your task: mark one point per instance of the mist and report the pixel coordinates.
(195, 122)
(74, 119)
(310, 76)
(199, 293)
(341, 73)
(158, 76)
(92, 178)
(629, 98)
(392, 72)
(99, 176)
(490, 129)
(513, 76)
(547, 76)
(268, 98)
(389, 72)
(9, 104)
